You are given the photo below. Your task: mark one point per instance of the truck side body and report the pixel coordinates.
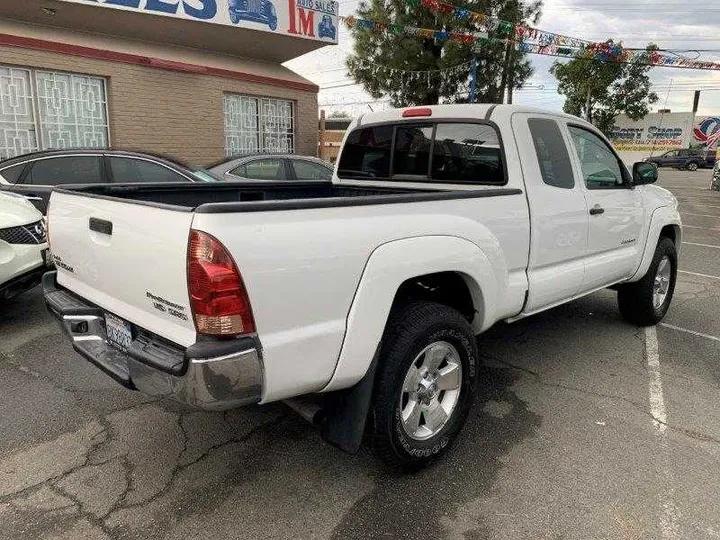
(323, 272)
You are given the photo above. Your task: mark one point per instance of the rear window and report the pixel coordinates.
(467, 153)
(447, 152)
(367, 153)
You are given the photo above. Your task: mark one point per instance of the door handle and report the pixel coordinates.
(101, 226)
(597, 210)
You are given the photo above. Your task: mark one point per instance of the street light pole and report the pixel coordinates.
(473, 80)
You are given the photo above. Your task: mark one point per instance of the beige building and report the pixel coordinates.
(199, 82)
(331, 138)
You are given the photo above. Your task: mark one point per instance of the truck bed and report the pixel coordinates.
(249, 197)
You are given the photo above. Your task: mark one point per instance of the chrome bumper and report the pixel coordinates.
(213, 375)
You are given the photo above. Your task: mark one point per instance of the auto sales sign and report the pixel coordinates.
(308, 19)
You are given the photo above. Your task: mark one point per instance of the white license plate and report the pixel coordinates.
(46, 257)
(119, 332)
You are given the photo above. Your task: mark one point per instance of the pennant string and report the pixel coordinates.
(546, 43)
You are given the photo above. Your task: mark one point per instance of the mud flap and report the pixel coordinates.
(345, 412)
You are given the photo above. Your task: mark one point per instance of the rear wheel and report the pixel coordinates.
(425, 386)
(646, 302)
(692, 166)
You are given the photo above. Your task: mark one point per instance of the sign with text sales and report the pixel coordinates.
(307, 19)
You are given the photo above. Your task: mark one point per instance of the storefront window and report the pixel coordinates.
(43, 109)
(258, 125)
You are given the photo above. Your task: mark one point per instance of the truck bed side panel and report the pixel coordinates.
(302, 269)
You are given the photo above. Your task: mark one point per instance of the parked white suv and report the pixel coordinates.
(23, 245)
(360, 299)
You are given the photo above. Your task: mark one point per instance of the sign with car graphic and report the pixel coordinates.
(307, 19)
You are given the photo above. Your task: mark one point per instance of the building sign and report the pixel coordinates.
(309, 19)
(655, 132)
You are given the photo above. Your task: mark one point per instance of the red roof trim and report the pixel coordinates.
(147, 61)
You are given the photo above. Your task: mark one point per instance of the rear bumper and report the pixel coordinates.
(211, 375)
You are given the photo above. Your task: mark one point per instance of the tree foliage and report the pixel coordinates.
(377, 53)
(609, 88)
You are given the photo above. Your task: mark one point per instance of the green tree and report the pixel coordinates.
(600, 91)
(377, 53)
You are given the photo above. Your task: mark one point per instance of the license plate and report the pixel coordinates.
(46, 257)
(119, 332)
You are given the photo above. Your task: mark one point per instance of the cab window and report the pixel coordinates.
(552, 154)
(600, 167)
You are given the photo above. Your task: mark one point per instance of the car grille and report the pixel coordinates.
(34, 233)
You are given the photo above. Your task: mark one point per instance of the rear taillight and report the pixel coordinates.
(219, 301)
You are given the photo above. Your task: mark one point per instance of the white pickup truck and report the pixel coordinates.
(359, 300)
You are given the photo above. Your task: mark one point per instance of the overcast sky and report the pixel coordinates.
(672, 24)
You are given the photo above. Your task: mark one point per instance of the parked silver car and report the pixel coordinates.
(272, 167)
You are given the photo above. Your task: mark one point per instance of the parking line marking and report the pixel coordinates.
(701, 245)
(668, 510)
(711, 229)
(698, 274)
(692, 332)
(657, 401)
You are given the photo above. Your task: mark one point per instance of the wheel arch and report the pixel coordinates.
(444, 269)
(665, 222)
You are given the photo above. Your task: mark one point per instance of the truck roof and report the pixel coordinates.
(455, 111)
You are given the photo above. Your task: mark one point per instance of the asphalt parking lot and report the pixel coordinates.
(585, 428)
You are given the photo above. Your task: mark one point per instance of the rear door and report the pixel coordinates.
(616, 211)
(558, 211)
(42, 175)
(130, 259)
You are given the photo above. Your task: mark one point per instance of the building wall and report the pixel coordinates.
(168, 111)
(333, 142)
(659, 132)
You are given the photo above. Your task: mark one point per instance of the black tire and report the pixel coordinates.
(636, 299)
(409, 331)
(692, 166)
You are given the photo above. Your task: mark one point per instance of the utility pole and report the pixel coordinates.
(473, 80)
(506, 69)
(588, 104)
(511, 79)
(321, 138)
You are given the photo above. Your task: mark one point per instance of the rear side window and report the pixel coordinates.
(66, 170)
(366, 153)
(552, 153)
(262, 169)
(307, 170)
(12, 174)
(467, 153)
(133, 171)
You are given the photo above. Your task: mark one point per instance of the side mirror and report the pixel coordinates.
(644, 173)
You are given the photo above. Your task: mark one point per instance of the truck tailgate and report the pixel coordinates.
(129, 259)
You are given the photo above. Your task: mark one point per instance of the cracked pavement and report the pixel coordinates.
(560, 444)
